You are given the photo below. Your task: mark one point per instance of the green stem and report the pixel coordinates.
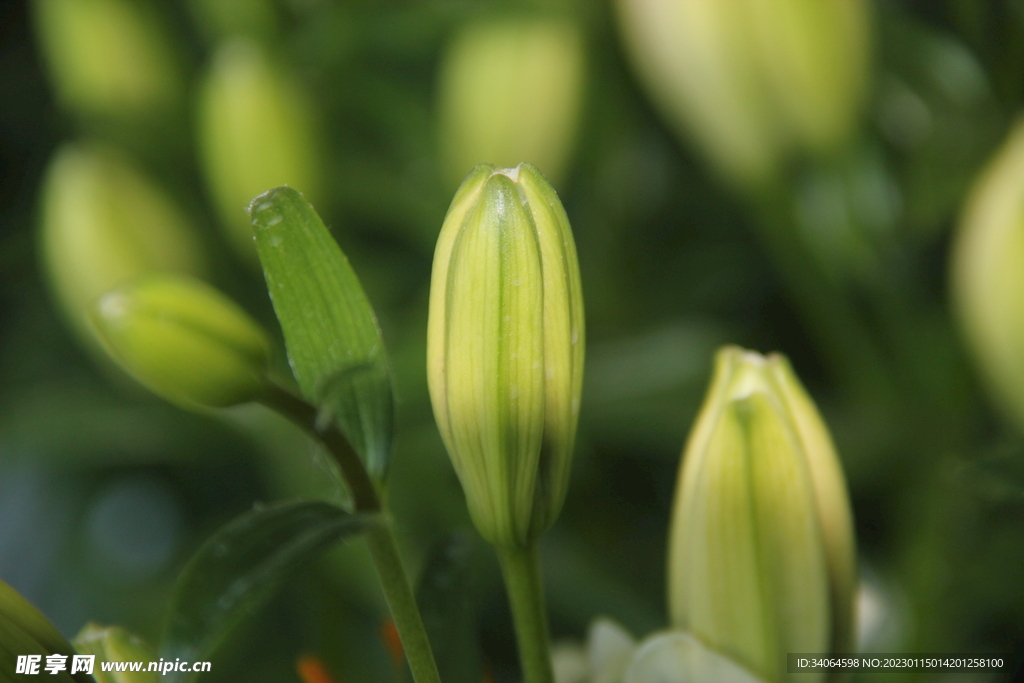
(364, 493)
(402, 604)
(379, 538)
(521, 569)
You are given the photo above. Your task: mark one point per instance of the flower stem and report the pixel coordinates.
(379, 538)
(402, 604)
(521, 569)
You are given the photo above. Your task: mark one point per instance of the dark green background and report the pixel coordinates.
(105, 490)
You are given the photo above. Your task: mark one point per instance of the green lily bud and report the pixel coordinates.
(505, 349)
(988, 275)
(108, 58)
(256, 133)
(511, 89)
(104, 222)
(753, 81)
(761, 551)
(185, 341)
(113, 644)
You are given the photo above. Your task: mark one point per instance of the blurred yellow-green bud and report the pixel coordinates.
(505, 349)
(256, 133)
(108, 58)
(988, 275)
(511, 89)
(185, 341)
(114, 644)
(761, 548)
(753, 81)
(104, 222)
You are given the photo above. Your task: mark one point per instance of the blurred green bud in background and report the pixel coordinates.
(511, 89)
(761, 547)
(256, 133)
(753, 81)
(505, 349)
(988, 275)
(114, 644)
(108, 58)
(104, 222)
(185, 341)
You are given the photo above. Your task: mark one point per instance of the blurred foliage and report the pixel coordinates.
(841, 264)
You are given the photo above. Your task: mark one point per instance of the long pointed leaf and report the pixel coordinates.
(24, 630)
(240, 567)
(334, 343)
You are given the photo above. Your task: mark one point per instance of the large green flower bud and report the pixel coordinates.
(988, 275)
(761, 551)
(114, 644)
(505, 349)
(184, 341)
(104, 222)
(256, 131)
(752, 81)
(511, 89)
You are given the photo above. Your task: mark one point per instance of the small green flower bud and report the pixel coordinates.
(753, 81)
(114, 644)
(185, 341)
(256, 133)
(761, 548)
(104, 222)
(511, 89)
(988, 275)
(108, 58)
(505, 349)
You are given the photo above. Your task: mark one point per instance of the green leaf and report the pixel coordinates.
(25, 631)
(448, 605)
(334, 343)
(15, 641)
(239, 568)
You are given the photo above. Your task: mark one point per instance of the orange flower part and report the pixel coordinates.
(312, 670)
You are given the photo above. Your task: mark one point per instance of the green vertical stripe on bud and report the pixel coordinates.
(104, 222)
(114, 644)
(511, 89)
(256, 133)
(108, 58)
(505, 349)
(185, 341)
(988, 275)
(761, 556)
